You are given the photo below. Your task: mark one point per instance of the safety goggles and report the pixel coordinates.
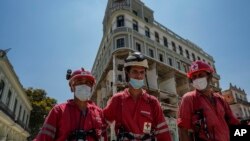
(135, 57)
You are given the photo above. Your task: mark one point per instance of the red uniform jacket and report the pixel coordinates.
(218, 116)
(137, 117)
(65, 118)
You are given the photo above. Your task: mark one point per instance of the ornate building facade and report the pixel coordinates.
(129, 26)
(237, 99)
(15, 107)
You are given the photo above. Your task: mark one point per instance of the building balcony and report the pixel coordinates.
(11, 114)
(22, 124)
(122, 29)
(242, 101)
(169, 110)
(123, 5)
(168, 106)
(7, 111)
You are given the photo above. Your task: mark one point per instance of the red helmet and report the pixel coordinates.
(79, 74)
(199, 66)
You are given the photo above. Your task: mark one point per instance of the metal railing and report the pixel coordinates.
(7, 111)
(11, 114)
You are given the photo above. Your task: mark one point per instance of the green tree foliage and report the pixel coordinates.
(41, 105)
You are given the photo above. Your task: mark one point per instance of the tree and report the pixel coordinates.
(41, 105)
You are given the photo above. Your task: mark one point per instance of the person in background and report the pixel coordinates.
(203, 114)
(78, 118)
(137, 114)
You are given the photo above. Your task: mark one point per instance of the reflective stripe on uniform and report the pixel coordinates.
(126, 139)
(161, 124)
(145, 112)
(50, 127)
(161, 131)
(49, 133)
(49, 130)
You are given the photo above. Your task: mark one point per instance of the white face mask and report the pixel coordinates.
(200, 83)
(83, 92)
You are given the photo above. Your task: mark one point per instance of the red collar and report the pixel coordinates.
(144, 94)
(214, 94)
(71, 102)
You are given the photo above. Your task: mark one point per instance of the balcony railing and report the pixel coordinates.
(11, 114)
(23, 125)
(170, 106)
(122, 29)
(7, 111)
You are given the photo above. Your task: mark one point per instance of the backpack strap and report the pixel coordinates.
(201, 122)
(199, 111)
(196, 102)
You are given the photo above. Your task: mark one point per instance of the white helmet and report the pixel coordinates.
(136, 59)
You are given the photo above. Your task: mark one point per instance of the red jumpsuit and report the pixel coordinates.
(65, 118)
(215, 115)
(137, 117)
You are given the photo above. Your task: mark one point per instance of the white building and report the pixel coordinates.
(237, 99)
(15, 107)
(128, 26)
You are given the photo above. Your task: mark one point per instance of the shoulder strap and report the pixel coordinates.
(120, 101)
(196, 102)
(201, 123)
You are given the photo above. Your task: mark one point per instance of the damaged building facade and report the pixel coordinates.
(129, 26)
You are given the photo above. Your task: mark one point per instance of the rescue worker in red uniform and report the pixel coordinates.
(137, 115)
(203, 114)
(78, 119)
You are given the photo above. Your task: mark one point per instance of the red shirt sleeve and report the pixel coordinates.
(110, 111)
(185, 112)
(49, 128)
(162, 131)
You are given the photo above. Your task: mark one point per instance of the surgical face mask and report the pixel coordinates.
(135, 83)
(200, 83)
(83, 92)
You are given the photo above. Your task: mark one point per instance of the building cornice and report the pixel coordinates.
(10, 73)
(235, 88)
(9, 122)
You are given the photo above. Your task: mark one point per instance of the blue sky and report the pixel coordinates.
(47, 37)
